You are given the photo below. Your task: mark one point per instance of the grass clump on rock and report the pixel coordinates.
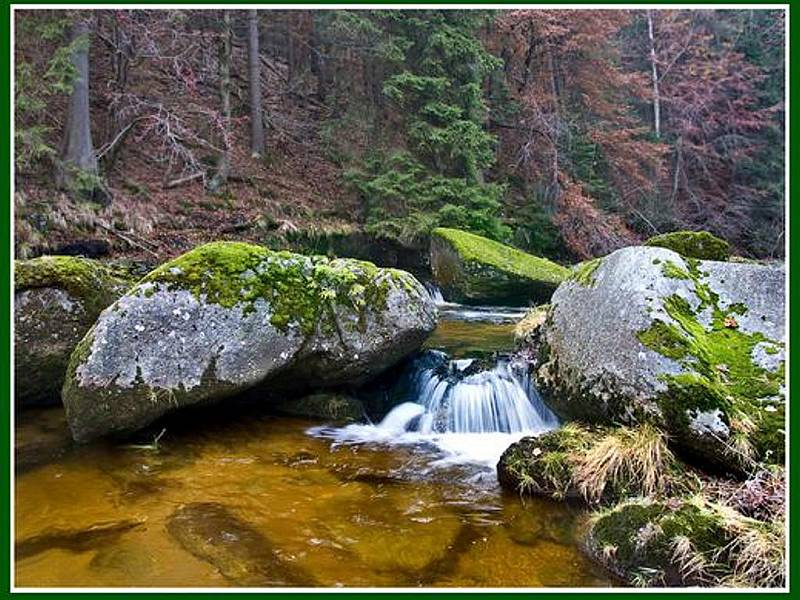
(530, 323)
(686, 541)
(591, 464)
(701, 245)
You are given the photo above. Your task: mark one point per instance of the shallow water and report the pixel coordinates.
(252, 499)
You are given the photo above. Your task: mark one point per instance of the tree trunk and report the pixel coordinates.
(223, 164)
(254, 71)
(654, 69)
(77, 150)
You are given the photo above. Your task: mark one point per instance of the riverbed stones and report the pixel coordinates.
(228, 317)
(56, 301)
(696, 347)
(476, 270)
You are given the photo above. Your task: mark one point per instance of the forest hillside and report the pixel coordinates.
(568, 134)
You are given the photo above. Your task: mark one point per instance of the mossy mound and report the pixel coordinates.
(56, 301)
(473, 269)
(701, 245)
(228, 317)
(689, 541)
(545, 465)
(598, 464)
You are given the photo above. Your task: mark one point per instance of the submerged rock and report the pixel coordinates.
(79, 540)
(56, 301)
(229, 317)
(473, 269)
(696, 347)
(680, 542)
(331, 406)
(243, 555)
(693, 244)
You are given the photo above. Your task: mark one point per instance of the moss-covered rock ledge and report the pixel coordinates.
(228, 317)
(473, 269)
(56, 301)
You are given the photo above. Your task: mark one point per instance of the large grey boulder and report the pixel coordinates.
(694, 346)
(228, 317)
(56, 301)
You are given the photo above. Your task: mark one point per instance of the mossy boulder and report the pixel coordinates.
(686, 541)
(476, 270)
(228, 317)
(544, 465)
(56, 301)
(696, 347)
(701, 245)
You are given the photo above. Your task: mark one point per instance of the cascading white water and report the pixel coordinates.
(497, 400)
(435, 293)
(469, 413)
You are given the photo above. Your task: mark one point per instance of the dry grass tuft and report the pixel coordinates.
(758, 555)
(637, 458)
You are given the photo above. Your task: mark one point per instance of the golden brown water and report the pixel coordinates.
(253, 499)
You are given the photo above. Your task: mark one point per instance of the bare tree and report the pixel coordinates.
(654, 69)
(254, 74)
(225, 52)
(77, 150)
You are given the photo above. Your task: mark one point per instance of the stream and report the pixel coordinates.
(252, 499)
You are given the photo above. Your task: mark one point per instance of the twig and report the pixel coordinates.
(182, 180)
(126, 238)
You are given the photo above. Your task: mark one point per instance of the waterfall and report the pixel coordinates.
(459, 396)
(471, 410)
(435, 293)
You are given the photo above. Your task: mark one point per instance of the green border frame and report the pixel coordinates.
(6, 274)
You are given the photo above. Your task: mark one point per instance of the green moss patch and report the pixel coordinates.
(299, 289)
(93, 283)
(583, 273)
(720, 374)
(474, 248)
(694, 244)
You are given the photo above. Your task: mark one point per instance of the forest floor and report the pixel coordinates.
(151, 218)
